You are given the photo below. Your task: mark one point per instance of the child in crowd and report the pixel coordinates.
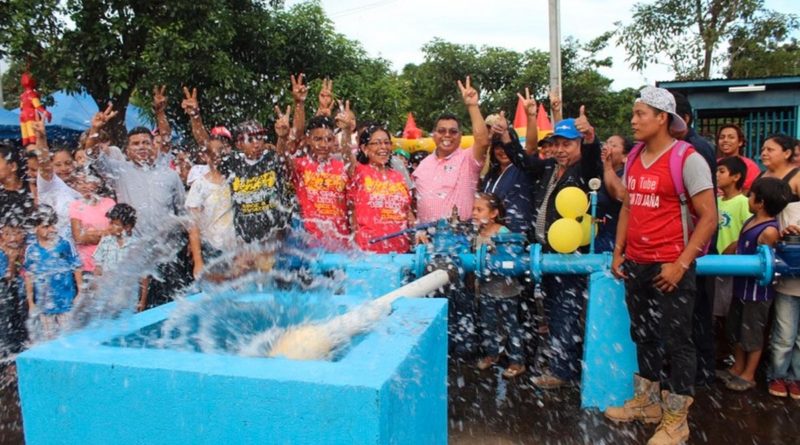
(112, 247)
(88, 217)
(13, 333)
(749, 309)
(209, 204)
(734, 210)
(498, 296)
(52, 273)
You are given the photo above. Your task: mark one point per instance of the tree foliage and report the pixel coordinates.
(500, 74)
(688, 34)
(765, 48)
(237, 53)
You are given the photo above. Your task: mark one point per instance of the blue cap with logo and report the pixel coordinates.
(566, 129)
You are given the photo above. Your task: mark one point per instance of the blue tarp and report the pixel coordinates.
(71, 116)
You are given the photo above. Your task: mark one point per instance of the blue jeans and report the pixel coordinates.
(785, 341)
(565, 300)
(497, 315)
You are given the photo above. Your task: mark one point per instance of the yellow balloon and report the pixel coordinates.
(586, 228)
(571, 202)
(564, 235)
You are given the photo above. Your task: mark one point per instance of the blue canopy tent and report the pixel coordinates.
(72, 114)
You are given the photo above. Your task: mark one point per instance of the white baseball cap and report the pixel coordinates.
(663, 100)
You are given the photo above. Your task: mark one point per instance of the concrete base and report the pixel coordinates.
(389, 387)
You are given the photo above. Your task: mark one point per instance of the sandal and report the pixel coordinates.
(725, 374)
(739, 384)
(487, 362)
(513, 371)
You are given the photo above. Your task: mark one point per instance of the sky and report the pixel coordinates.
(397, 29)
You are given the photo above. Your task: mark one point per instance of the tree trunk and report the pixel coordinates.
(707, 58)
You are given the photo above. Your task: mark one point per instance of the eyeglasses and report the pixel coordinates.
(450, 131)
(384, 142)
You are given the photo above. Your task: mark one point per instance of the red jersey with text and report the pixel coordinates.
(655, 231)
(322, 193)
(381, 202)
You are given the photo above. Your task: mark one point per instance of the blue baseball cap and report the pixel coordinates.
(566, 129)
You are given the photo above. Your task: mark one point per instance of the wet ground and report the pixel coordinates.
(487, 409)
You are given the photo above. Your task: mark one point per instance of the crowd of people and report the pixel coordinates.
(69, 215)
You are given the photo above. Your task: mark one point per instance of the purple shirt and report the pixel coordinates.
(747, 288)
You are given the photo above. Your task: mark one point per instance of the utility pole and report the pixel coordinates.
(555, 48)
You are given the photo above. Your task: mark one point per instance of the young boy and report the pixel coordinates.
(749, 309)
(52, 273)
(734, 210)
(12, 290)
(112, 248)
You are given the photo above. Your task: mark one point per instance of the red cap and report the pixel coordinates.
(221, 132)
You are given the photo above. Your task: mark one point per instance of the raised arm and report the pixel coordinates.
(532, 130)
(325, 107)
(555, 107)
(479, 131)
(160, 110)
(42, 152)
(99, 120)
(191, 106)
(612, 183)
(531, 164)
(282, 130)
(299, 94)
(591, 166)
(346, 121)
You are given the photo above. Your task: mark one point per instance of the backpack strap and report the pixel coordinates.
(632, 155)
(677, 158)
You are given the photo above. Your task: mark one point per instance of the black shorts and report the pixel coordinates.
(747, 321)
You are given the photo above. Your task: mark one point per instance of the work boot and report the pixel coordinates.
(674, 427)
(644, 406)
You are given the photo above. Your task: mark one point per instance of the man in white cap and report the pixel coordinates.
(655, 254)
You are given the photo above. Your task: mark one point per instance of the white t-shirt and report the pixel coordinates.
(196, 172)
(58, 195)
(216, 212)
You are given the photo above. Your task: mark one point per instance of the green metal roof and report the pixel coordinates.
(779, 82)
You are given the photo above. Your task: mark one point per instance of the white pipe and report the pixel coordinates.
(317, 341)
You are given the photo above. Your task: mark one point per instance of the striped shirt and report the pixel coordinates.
(747, 288)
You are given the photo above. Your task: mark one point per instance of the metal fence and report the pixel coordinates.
(757, 124)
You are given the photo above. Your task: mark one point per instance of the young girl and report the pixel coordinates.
(113, 247)
(52, 273)
(498, 295)
(88, 217)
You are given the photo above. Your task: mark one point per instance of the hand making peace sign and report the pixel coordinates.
(190, 104)
(529, 103)
(326, 97)
(299, 89)
(345, 119)
(282, 126)
(159, 98)
(469, 94)
(101, 118)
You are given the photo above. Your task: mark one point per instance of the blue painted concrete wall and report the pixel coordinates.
(388, 388)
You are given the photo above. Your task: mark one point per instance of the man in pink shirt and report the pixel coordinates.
(450, 177)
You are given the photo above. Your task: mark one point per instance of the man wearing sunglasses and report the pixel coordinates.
(449, 178)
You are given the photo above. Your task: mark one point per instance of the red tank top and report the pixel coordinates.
(655, 232)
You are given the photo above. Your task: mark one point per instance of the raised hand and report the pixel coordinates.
(529, 103)
(500, 126)
(282, 126)
(299, 89)
(345, 119)
(159, 98)
(38, 126)
(469, 94)
(583, 125)
(190, 104)
(326, 98)
(555, 102)
(101, 118)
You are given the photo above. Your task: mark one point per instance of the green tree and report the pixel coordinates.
(688, 34)
(765, 48)
(237, 53)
